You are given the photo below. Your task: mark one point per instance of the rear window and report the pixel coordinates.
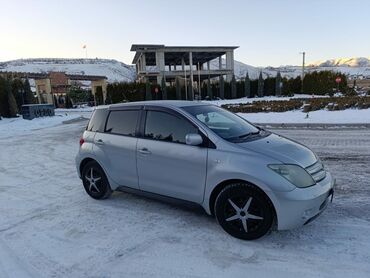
(122, 122)
(97, 121)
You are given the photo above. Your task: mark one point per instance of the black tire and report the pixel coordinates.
(100, 189)
(233, 221)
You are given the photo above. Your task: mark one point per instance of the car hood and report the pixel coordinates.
(282, 149)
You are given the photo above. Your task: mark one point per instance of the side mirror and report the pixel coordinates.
(193, 139)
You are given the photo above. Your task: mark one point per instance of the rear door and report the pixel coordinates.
(117, 146)
(166, 165)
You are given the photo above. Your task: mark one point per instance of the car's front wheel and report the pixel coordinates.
(95, 181)
(244, 211)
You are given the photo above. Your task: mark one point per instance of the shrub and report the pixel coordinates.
(312, 104)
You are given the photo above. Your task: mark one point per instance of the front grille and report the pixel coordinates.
(317, 171)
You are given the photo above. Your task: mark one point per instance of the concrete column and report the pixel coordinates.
(143, 62)
(159, 61)
(208, 66)
(182, 63)
(229, 64)
(191, 75)
(220, 62)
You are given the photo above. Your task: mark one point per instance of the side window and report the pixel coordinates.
(97, 121)
(166, 127)
(122, 122)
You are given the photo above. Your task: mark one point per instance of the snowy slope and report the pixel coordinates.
(114, 70)
(121, 72)
(352, 67)
(344, 62)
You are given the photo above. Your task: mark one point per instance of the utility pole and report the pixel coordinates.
(303, 61)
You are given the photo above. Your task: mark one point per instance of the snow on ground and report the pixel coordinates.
(18, 126)
(349, 116)
(49, 227)
(253, 99)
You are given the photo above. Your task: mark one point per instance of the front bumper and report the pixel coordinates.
(302, 205)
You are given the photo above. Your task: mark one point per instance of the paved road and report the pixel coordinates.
(49, 227)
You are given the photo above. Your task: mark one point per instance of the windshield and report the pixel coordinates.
(224, 123)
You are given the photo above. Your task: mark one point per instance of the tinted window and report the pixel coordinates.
(122, 122)
(97, 121)
(166, 127)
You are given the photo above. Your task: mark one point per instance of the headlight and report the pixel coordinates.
(293, 173)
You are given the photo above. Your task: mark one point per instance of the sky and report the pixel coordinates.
(268, 33)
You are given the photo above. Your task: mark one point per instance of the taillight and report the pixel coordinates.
(81, 141)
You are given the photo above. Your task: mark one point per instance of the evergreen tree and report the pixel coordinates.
(163, 88)
(12, 104)
(56, 104)
(4, 109)
(222, 87)
(260, 85)
(77, 94)
(209, 90)
(108, 99)
(278, 84)
(99, 99)
(17, 90)
(68, 103)
(28, 95)
(247, 86)
(233, 87)
(178, 89)
(190, 91)
(148, 93)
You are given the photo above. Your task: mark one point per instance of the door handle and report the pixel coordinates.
(99, 142)
(144, 151)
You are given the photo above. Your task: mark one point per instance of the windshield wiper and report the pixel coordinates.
(249, 134)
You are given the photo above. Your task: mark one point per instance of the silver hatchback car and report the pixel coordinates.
(249, 178)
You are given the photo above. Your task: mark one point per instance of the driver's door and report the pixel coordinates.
(166, 165)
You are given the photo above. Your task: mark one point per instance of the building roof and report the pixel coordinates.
(174, 54)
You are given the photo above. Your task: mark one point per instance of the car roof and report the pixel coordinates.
(160, 103)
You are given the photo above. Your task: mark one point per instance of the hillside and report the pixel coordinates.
(114, 70)
(121, 72)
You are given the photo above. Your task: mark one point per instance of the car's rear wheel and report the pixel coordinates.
(95, 181)
(244, 211)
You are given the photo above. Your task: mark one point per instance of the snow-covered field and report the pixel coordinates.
(10, 127)
(349, 116)
(49, 227)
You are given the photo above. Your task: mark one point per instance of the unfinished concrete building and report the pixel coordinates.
(188, 63)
